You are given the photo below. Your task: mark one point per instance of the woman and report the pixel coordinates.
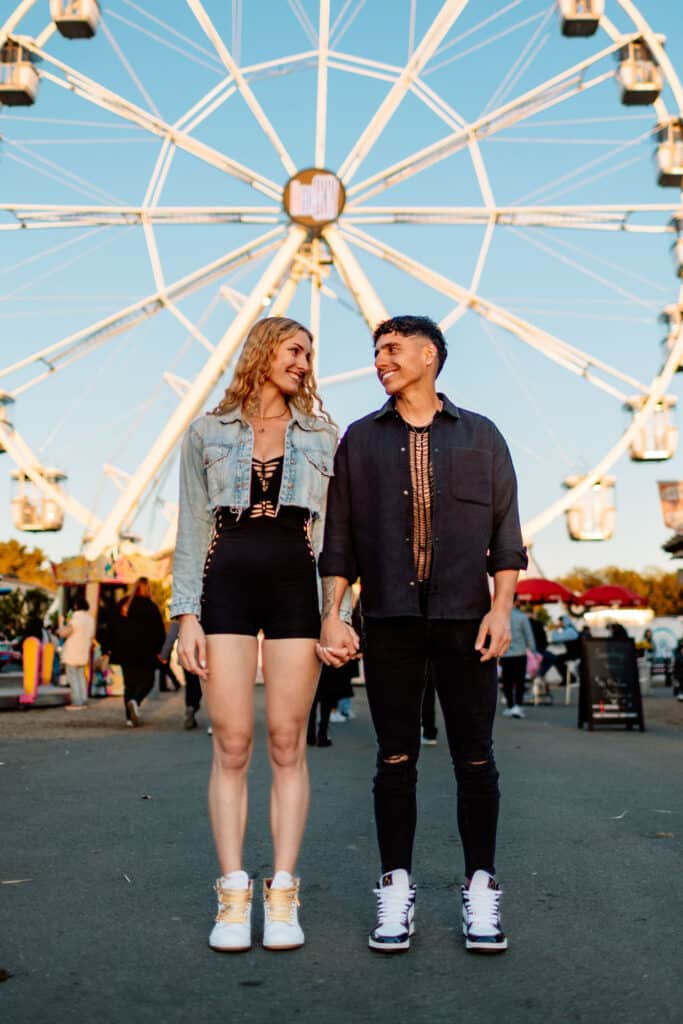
(253, 485)
(78, 634)
(138, 636)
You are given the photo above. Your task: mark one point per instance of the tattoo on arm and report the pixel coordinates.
(329, 589)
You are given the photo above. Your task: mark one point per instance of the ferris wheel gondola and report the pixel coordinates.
(322, 218)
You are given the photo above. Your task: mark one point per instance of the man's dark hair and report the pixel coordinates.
(409, 325)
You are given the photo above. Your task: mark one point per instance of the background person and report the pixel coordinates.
(138, 636)
(78, 634)
(513, 661)
(193, 687)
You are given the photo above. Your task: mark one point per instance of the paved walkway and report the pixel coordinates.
(106, 849)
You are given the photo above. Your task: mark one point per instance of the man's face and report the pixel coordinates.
(401, 361)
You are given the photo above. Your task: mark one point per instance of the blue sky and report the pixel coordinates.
(599, 291)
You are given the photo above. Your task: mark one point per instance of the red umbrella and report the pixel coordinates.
(540, 591)
(612, 596)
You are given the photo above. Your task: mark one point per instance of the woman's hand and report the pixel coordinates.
(338, 642)
(192, 646)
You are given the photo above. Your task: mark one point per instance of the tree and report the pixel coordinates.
(20, 606)
(28, 565)
(660, 589)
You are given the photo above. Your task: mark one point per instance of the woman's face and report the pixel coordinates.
(291, 363)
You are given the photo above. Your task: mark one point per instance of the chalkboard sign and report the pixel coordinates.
(609, 692)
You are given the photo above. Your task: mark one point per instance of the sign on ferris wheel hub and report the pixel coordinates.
(329, 228)
(314, 198)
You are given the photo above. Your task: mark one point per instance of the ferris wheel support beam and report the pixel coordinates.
(568, 356)
(90, 90)
(444, 20)
(284, 297)
(22, 455)
(555, 90)
(107, 535)
(257, 110)
(151, 303)
(354, 277)
(656, 392)
(321, 101)
(314, 317)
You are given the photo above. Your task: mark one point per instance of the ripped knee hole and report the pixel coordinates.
(396, 759)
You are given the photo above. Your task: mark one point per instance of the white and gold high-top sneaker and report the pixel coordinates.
(281, 928)
(232, 931)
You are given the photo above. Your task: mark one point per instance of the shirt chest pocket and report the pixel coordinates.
(219, 466)
(471, 475)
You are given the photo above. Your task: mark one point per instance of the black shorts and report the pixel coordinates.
(260, 574)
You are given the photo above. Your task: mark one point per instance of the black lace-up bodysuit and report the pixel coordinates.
(260, 569)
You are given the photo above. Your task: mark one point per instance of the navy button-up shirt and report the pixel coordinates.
(475, 519)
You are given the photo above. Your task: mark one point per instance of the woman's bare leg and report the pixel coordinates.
(229, 694)
(290, 670)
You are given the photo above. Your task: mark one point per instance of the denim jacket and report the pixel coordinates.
(215, 471)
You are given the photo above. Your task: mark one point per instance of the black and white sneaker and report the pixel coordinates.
(395, 913)
(481, 915)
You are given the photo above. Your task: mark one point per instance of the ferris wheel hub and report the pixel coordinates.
(314, 198)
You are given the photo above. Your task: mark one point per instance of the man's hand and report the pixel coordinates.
(496, 626)
(192, 646)
(338, 642)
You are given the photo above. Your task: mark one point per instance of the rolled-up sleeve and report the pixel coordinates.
(338, 557)
(195, 526)
(506, 550)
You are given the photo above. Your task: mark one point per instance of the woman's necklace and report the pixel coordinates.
(262, 428)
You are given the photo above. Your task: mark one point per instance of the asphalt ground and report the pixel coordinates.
(107, 868)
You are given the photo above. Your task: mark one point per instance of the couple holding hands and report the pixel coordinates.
(419, 501)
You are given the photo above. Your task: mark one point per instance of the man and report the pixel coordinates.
(567, 634)
(422, 505)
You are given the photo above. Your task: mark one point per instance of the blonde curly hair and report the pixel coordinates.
(256, 357)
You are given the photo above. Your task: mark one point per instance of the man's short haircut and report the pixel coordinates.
(410, 325)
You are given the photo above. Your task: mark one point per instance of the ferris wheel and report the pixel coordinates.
(373, 185)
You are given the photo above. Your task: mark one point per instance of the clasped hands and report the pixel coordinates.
(339, 642)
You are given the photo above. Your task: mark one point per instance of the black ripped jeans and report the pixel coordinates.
(397, 651)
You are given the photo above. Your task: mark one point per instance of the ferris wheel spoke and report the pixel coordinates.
(243, 86)
(581, 267)
(656, 392)
(19, 12)
(129, 69)
(189, 326)
(444, 20)
(584, 217)
(124, 508)
(321, 100)
(549, 189)
(43, 216)
(80, 343)
(354, 277)
(550, 93)
(553, 348)
(73, 81)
